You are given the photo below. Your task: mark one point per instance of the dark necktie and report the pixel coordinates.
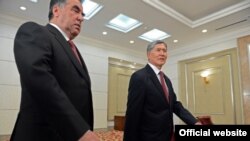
(164, 85)
(73, 48)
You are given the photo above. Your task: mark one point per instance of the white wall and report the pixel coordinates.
(9, 79)
(95, 54)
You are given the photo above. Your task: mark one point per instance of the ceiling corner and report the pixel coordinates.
(195, 23)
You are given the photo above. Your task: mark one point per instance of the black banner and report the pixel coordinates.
(241, 132)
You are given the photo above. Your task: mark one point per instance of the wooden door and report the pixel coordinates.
(244, 55)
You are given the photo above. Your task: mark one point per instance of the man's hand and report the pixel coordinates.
(198, 123)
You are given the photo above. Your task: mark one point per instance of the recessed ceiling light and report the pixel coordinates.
(90, 8)
(35, 1)
(204, 30)
(131, 66)
(154, 34)
(104, 33)
(123, 23)
(23, 8)
(175, 41)
(131, 42)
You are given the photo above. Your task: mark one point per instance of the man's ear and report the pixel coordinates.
(56, 10)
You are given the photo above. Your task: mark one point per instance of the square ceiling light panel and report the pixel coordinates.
(123, 23)
(90, 8)
(154, 34)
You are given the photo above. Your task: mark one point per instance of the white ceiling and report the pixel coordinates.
(182, 19)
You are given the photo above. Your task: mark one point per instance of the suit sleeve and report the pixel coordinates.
(33, 55)
(180, 110)
(134, 107)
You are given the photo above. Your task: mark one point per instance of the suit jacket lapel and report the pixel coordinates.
(83, 64)
(81, 69)
(156, 82)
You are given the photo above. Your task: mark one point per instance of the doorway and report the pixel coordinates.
(120, 72)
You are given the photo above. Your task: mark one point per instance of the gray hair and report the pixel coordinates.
(154, 43)
(57, 2)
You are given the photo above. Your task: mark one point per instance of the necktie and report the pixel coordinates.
(164, 85)
(73, 48)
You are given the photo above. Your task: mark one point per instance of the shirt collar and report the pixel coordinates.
(155, 69)
(59, 29)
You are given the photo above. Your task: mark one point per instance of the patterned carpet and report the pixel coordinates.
(112, 135)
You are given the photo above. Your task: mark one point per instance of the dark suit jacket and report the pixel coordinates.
(56, 100)
(149, 116)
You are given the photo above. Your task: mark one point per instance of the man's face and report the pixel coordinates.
(70, 17)
(158, 55)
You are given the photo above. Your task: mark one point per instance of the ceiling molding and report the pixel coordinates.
(216, 40)
(178, 16)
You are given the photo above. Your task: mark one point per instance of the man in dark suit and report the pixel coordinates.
(149, 115)
(56, 101)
